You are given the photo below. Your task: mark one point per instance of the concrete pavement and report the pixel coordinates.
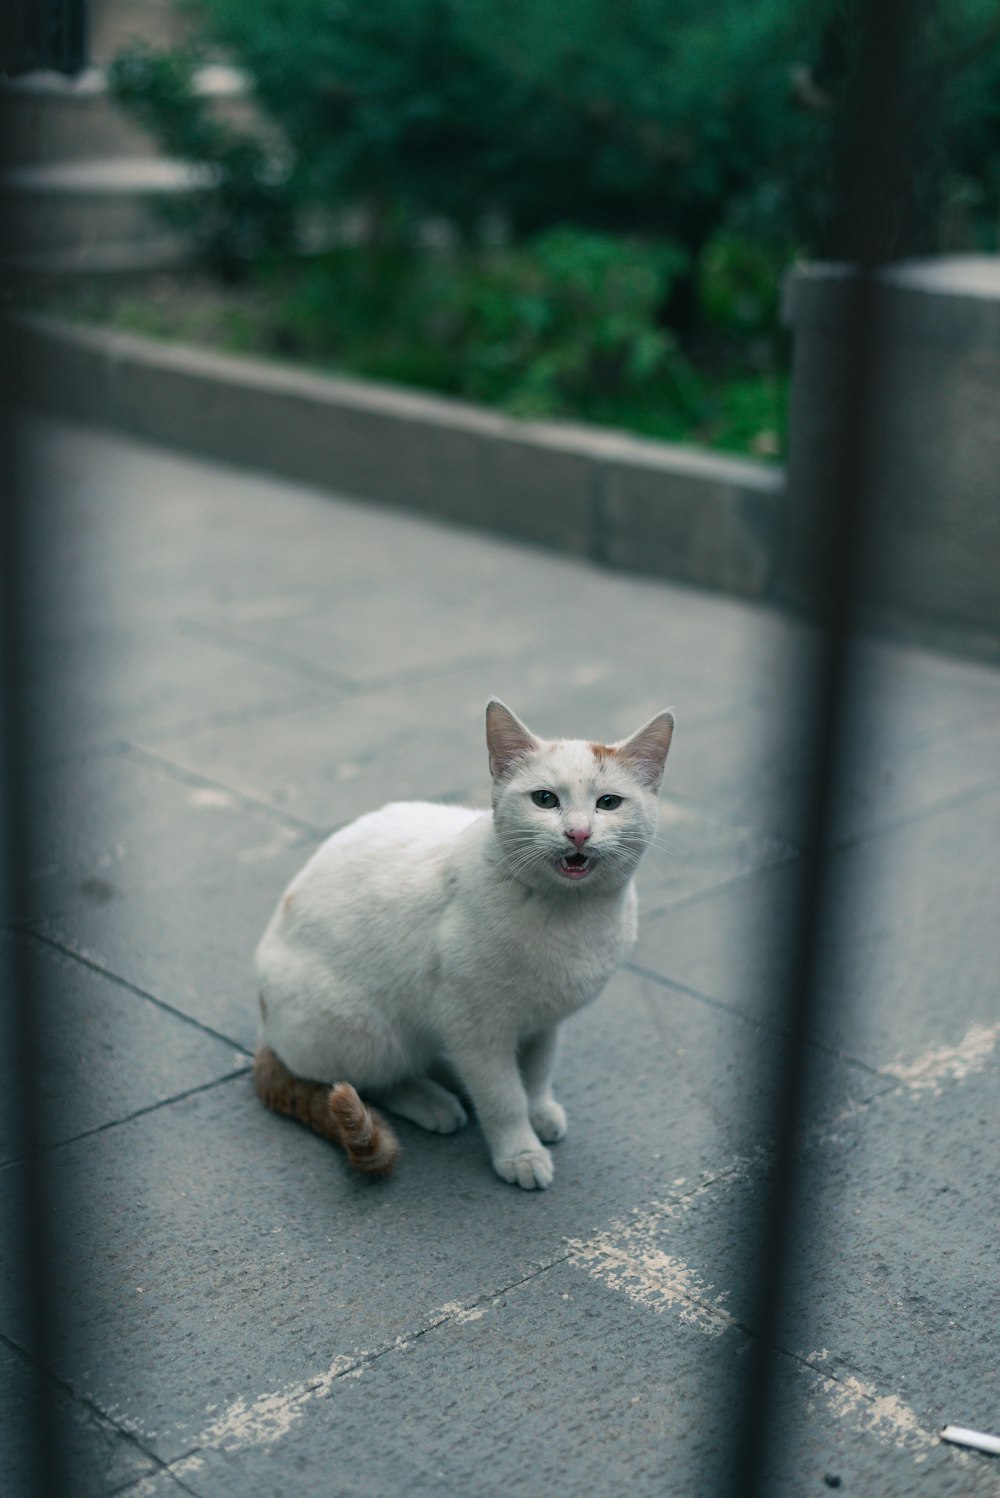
(238, 665)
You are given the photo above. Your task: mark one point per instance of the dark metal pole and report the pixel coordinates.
(871, 171)
(29, 1237)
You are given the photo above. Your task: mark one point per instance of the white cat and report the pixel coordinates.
(424, 937)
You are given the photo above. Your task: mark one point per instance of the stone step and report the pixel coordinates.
(47, 117)
(82, 205)
(115, 24)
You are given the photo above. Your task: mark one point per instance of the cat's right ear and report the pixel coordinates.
(507, 738)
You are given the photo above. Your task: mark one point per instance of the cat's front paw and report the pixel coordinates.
(549, 1121)
(531, 1169)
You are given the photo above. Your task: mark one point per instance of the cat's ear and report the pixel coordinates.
(507, 738)
(646, 751)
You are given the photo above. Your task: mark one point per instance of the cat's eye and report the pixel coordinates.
(608, 803)
(546, 799)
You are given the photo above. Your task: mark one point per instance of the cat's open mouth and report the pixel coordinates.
(575, 865)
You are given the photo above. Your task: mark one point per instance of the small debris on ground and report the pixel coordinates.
(958, 1435)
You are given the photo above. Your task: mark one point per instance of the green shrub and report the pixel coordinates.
(551, 327)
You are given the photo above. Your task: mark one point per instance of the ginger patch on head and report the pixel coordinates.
(602, 752)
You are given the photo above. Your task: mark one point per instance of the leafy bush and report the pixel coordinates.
(633, 117)
(546, 328)
(680, 122)
(623, 184)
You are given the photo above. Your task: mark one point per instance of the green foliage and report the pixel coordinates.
(248, 211)
(619, 114)
(551, 327)
(625, 183)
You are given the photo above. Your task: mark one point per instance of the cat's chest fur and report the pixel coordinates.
(534, 957)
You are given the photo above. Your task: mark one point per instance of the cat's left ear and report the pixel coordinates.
(646, 751)
(507, 738)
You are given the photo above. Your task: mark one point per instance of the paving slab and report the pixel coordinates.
(109, 826)
(101, 1457)
(241, 1268)
(268, 661)
(906, 966)
(106, 1053)
(189, 942)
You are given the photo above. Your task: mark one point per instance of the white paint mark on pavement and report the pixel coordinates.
(866, 1411)
(261, 1421)
(650, 1277)
(629, 1256)
(946, 1063)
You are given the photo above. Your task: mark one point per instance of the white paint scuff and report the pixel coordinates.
(629, 1256)
(649, 1277)
(261, 1421)
(947, 1063)
(860, 1406)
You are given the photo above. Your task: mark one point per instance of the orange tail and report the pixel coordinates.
(337, 1113)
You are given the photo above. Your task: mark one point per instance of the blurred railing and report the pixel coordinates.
(873, 166)
(43, 34)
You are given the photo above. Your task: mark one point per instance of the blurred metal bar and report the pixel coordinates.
(871, 172)
(30, 1236)
(43, 34)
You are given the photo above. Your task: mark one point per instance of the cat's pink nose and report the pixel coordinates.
(578, 835)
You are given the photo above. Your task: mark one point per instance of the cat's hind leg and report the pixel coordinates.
(335, 1112)
(426, 1103)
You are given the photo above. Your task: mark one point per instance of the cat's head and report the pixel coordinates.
(571, 814)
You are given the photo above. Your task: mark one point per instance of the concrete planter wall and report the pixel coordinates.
(673, 512)
(651, 507)
(936, 473)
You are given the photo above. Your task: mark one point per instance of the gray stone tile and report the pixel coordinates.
(98, 1458)
(326, 765)
(753, 766)
(910, 955)
(223, 1264)
(243, 1245)
(515, 1398)
(93, 689)
(106, 1052)
(893, 1296)
(115, 824)
(189, 940)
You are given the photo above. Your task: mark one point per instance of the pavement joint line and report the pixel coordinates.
(753, 1021)
(68, 1391)
(269, 1416)
(351, 686)
(268, 655)
(654, 1280)
(231, 718)
(918, 814)
(780, 860)
(88, 960)
(117, 1123)
(791, 851)
(194, 778)
(135, 1486)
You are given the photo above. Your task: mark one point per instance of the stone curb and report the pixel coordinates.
(641, 506)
